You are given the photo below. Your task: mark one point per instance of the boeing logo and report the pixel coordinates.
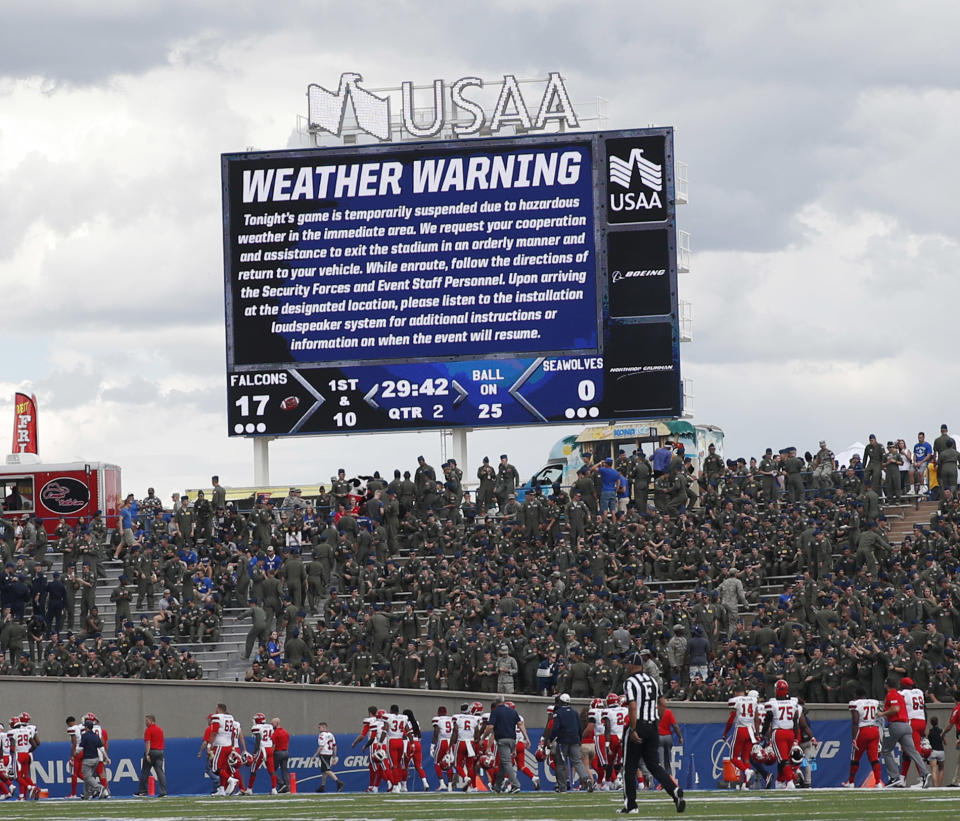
(618, 276)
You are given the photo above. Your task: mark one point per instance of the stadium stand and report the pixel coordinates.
(727, 577)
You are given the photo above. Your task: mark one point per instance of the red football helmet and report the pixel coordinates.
(248, 759)
(381, 713)
(14, 722)
(541, 754)
(924, 747)
(91, 717)
(613, 700)
(510, 704)
(259, 718)
(25, 717)
(476, 708)
(781, 688)
(596, 704)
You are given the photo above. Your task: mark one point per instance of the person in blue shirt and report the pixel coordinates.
(922, 456)
(661, 459)
(566, 731)
(609, 482)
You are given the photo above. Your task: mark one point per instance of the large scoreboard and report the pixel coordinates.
(471, 283)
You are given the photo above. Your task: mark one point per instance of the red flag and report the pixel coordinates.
(25, 439)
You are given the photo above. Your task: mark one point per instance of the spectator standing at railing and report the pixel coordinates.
(873, 459)
(947, 468)
(922, 458)
(891, 467)
(793, 467)
(768, 470)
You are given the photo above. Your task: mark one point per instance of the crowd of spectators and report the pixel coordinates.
(733, 572)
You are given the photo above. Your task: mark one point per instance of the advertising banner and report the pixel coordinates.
(25, 436)
(697, 764)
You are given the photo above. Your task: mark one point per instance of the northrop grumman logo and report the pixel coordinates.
(459, 104)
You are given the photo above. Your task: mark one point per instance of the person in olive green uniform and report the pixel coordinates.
(640, 476)
(507, 480)
(873, 459)
(793, 467)
(767, 470)
(892, 462)
(487, 477)
(947, 466)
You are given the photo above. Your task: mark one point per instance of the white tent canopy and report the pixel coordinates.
(843, 456)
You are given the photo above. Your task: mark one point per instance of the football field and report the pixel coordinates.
(849, 805)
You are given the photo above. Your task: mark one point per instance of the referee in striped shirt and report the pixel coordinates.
(641, 737)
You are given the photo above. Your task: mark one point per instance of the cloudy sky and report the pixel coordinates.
(821, 139)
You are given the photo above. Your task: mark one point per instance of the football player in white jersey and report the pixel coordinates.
(865, 732)
(618, 719)
(463, 740)
(6, 764)
(25, 740)
(225, 733)
(782, 712)
(745, 719)
(262, 732)
(74, 731)
(394, 733)
(440, 750)
(369, 732)
(917, 713)
(327, 753)
(597, 715)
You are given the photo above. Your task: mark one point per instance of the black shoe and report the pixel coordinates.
(284, 788)
(630, 811)
(321, 788)
(678, 800)
(339, 786)
(139, 795)
(161, 795)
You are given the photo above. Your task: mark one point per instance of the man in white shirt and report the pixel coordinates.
(327, 753)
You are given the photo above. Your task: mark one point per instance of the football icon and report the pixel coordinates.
(289, 403)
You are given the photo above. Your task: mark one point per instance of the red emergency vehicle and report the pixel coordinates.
(70, 490)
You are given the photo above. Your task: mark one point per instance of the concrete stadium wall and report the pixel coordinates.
(181, 707)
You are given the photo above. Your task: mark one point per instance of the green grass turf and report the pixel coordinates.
(848, 805)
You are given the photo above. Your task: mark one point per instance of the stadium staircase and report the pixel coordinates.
(217, 660)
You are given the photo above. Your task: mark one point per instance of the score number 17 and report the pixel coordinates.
(261, 401)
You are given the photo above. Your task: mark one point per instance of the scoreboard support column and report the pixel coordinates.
(261, 460)
(458, 447)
